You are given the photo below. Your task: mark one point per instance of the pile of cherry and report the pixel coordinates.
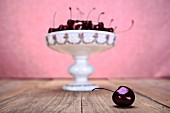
(84, 24)
(81, 25)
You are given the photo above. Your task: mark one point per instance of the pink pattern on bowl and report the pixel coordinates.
(81, 37)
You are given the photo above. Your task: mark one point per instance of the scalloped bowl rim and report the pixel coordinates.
(81, 49)
(81, 31)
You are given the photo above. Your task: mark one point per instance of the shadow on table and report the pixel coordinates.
(130, 107)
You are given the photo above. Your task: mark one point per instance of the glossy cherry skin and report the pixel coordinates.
(60, 28)
(83, 25)
(87, 25)
(96, 27)
(78, 27)
(90, 25)
(101, 25)
(70, 24)
(50, 30)
(65, 27)
(109, 29)
(123, 96)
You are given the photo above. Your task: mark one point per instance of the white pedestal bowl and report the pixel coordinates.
(80, 44)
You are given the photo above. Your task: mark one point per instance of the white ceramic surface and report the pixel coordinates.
(80, 44)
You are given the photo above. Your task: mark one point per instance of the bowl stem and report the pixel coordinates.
(80, 70)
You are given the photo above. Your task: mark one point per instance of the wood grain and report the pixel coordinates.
(46, 96)
(101, 102)
(43, 101)
(9, 88)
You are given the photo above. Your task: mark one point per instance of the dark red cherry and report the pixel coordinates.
(65, 27)
(109, 29)
(78, 27)
(90, 25)
(86, 25)
(70, 24)
(60, 28)
(50, 30)
(55, 29)
(96, 27)
(101, 25)
(76, 21)
(123, 96)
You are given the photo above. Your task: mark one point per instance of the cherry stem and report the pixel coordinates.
(115, 28)
(103, 88)
(54, 19)
(111, 22)
(99, 16)
(132, 24)
(81, 13)
(70, 12)
(90, 12)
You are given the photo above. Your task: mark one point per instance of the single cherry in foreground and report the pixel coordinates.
(123, 96)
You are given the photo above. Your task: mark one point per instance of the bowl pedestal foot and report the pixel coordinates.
(80, 70)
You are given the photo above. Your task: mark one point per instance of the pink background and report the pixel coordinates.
(142, 52)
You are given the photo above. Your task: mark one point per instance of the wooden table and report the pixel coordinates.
(46, 96)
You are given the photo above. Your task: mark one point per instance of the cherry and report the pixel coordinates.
(65, 27)
(78, 27)
(90, 25)
(86, 25)
(70, 24)
(50, 30)
(123, 96)
(109, 29)
(101, 26)
(60, 28)
(96, 27)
